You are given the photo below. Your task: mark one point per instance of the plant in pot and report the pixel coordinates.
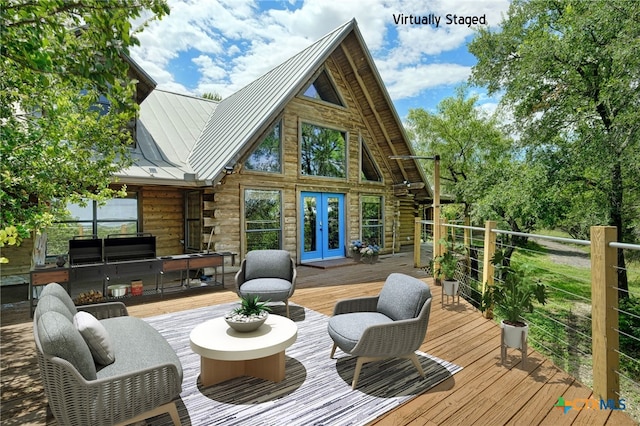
(249, 316)
(512, 295)
(445, 269)
(370, 253)
(355, 248)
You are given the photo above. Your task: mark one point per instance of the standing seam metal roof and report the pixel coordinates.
(247, 112)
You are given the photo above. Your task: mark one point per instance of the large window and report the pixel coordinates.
(267, 157)
(372, 220)
(263, 219)
(323, 152)
(116, 216)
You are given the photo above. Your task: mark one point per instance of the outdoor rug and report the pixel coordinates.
(316, 389)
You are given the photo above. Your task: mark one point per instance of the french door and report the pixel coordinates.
(322, 222)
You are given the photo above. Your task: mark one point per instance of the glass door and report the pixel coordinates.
(322, 219)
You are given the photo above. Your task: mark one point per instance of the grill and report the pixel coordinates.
(85, 250)
(119, 248)
(114, 248)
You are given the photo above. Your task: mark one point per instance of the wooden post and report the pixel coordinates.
(467, 243)
(488, 268)
(417, 234)
(436, 207)
(604, 314)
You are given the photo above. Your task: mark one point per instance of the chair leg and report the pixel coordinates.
(286, 302)
(333, 351)
(356, 373)
(414, 359)
(169, 408)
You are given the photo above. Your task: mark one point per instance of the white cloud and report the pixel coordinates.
(236, 41)
(411, 81)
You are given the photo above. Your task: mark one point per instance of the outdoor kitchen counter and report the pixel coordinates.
(109, 272)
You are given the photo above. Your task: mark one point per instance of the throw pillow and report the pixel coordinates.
(97, 338)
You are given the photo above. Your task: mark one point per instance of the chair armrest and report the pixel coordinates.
(120, 397)
(105, 310)
(239, 278)
(357, 304)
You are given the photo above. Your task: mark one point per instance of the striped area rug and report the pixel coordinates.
(316, 389)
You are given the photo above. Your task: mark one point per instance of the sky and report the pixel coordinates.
(219, 46)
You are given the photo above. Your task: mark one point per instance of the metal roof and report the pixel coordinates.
(245, 114)
(185, 140)
(166, 131)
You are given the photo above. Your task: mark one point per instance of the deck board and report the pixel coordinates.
(484, 392)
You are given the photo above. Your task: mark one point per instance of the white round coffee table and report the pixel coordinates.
(226, 353)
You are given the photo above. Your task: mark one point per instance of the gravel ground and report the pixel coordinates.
(566, 254)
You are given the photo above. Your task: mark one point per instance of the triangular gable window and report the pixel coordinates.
(267, 157)
(322, 88)
(368, 169)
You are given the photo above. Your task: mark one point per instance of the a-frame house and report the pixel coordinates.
(298, 159)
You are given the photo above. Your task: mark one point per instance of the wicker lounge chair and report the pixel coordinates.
(390, 325)
(268, 274)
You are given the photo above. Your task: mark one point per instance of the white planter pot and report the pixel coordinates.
(513, 336)
(450, 288)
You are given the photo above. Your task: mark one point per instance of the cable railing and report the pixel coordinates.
(563, 329)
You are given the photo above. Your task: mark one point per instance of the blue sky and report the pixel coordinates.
(222, 45)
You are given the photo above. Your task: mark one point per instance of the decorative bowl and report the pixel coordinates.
(118, 290)
(244, 324)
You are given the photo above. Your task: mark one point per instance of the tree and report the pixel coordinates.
(215, 96)
(65, 104)
(463, 135)
(484, 168)
(569, 71)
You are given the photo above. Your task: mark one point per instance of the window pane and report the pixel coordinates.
(310, 220)
(110, 228)
(333, 216)
(193, 205)
(368, 169)
(193, 237)
(262, 219)
(59, 234)
(323, 152)
(119, 209)
(78, 212)
(322, 88)
(266, 158)
(372, 223)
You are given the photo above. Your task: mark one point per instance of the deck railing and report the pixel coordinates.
(563, 331)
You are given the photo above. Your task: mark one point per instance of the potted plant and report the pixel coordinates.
(355, 248)
(512, 295)
(445, 270)
(370, 253)
(249, 316)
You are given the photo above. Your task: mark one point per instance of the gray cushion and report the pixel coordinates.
(51, 303)
(98, 339)
(346, 329)
(268, 289)
(402, 297)
(137, 346)
(59, 337)
(268, 264)
(58, 291)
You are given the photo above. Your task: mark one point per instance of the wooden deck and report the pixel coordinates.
(484, 392)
